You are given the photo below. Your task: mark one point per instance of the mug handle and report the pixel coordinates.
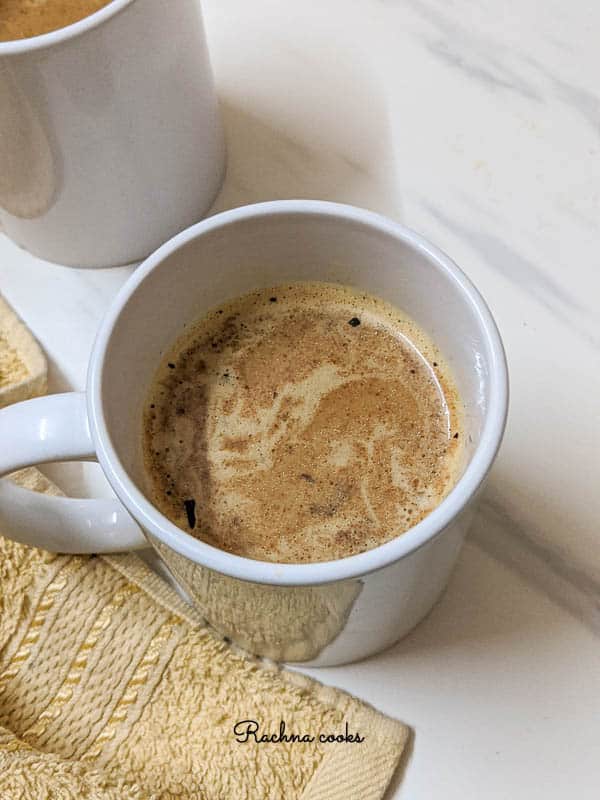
(56, 428)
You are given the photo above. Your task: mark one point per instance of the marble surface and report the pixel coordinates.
(479, 126)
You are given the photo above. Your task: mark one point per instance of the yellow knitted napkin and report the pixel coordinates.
(112, 688)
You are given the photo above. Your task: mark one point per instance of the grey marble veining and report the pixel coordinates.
(493, 74)
(526, 276)
(548, 569)
(581, 100)
(479, 58)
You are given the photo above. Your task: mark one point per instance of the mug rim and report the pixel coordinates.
(312, 573)
(67, 32)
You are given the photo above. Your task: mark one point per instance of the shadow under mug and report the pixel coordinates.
(321, 613)
(110, 134)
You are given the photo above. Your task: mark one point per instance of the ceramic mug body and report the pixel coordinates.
(110, 136)
(323, 613)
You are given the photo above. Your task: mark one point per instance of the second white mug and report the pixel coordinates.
(110, 135)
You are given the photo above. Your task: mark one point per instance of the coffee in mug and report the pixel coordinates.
(302, 423)
(21, 19)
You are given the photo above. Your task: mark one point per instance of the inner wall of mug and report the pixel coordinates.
(257, 252)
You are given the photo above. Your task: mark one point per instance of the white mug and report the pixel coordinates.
(317, 613)
(110, 134)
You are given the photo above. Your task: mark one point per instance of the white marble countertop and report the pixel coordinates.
(478, 124)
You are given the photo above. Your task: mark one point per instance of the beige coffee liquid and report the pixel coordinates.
(20, 19)
(303, 423)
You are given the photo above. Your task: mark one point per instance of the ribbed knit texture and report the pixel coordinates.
(111, 688)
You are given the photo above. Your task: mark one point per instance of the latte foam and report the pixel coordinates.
(302, 423)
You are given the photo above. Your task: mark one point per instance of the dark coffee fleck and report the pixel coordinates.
(456, 435)
(171, 365)
(272, 299)
(151, 405)
(190, 510)
(169, 491)
(305, 476)
(324, 510)
(435, 363)
(354, 322)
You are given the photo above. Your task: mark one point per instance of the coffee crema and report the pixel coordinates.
(303, 423)
(21, 19)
